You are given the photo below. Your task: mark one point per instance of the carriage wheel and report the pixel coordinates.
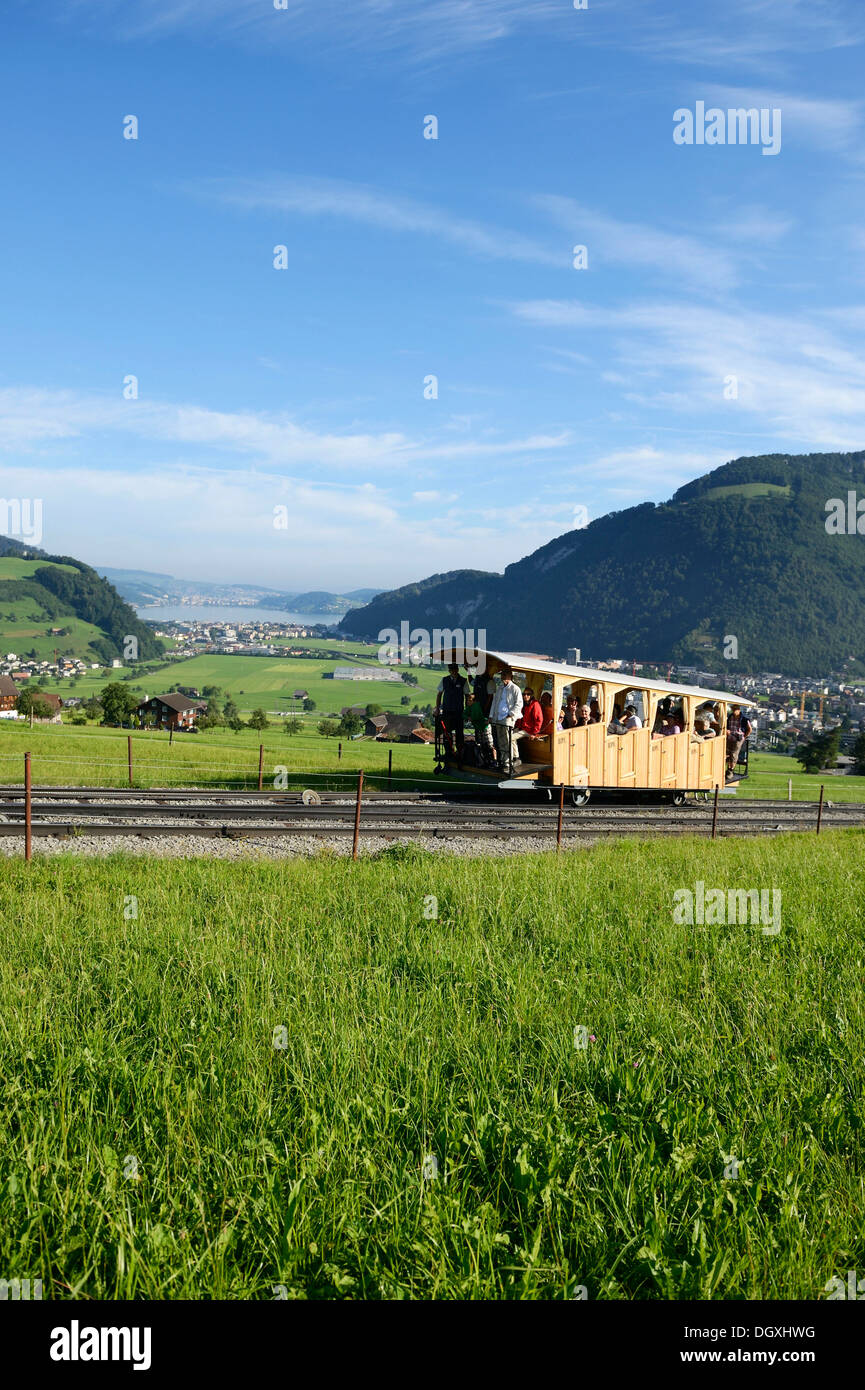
(580, 795)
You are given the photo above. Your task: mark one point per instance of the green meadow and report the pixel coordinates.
(326, 1080)
(65, 755)
(269, 682)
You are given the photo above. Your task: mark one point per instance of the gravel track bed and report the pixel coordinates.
(294, 847)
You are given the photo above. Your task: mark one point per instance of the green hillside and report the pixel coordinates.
(39, 592)
(742, 551)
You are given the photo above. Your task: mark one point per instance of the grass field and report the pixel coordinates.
(286, 1079)
(64, 755)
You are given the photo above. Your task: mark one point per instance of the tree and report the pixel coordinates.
(118, 703)
(235, 723)
(350, 724)
(30, 702)
(821, 752)
(409, 677)
(373, 709)
(405, 699)
(258, 720)
(328, 728)
(293, 725)
(92, 708)
(858, 752)
(230, 712)
(308, 705)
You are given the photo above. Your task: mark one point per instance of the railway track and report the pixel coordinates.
(120, 812)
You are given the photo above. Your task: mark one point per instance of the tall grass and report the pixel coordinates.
(236, 1093)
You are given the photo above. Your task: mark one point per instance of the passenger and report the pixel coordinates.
(482, 690)
(663, 709)
(615, 725)
(506, 708)
(483, 732)
(571, 714)
(529, 726)
(632, 719)
(738, 729)
(547, 708)
(451, 708)
(583, 716)
(594, 712)
(668, 727)
(702, 728)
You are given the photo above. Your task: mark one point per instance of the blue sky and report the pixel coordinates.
(558, 388)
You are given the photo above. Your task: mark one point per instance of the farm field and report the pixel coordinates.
(269, 682)
(288, 1080)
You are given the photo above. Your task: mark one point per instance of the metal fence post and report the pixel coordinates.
(28, 810)
(357, 814)
(715, 812)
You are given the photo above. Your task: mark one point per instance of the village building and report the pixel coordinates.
(9, 693)
(173, 711)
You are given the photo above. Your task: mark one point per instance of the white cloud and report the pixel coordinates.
(793, 374)
(673, 254)
(432, 29)
(375, 208)
(834, 124)
(30, 417)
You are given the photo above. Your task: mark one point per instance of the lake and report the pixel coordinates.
(213, 613)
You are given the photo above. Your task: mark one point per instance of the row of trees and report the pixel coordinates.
(822, 752)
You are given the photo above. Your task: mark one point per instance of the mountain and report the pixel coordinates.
(743, 551)
(40, 591)
(148, 588)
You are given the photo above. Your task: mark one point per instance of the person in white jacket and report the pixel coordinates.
(506, 708)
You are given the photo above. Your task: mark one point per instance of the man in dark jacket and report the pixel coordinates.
(451, 707)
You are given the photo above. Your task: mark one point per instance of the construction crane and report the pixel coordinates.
(819, 695)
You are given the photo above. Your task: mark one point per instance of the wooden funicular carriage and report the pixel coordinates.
(592, 759)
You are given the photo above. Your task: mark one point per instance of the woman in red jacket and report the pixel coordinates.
(531, 723)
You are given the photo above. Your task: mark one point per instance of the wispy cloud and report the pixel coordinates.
(629, 243)
(828, 123)
(32, 418)
(375, 208)
(429, 30)
(792, 372)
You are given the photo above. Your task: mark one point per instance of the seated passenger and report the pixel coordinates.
(582, 716)
(615, 725)
(594, 712)
(547, 709)
(570, 715)
(668, 726)
(702, 728)
(663, 710)
(632, 720)
(531, 722)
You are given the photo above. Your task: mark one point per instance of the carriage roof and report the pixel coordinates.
(525, 661)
